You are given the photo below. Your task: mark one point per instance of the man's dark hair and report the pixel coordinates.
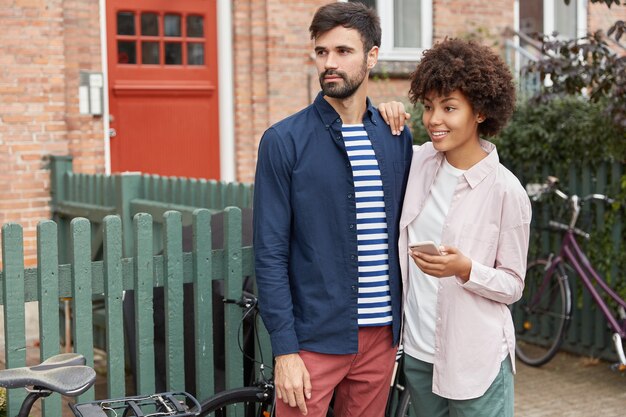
(477, 71)
(352, 15)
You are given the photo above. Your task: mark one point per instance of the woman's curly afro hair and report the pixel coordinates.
(479, 73)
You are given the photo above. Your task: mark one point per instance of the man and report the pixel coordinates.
(329, 185)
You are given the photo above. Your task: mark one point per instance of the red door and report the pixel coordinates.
(163, 95)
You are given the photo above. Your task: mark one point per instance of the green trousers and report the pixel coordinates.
(498, 401)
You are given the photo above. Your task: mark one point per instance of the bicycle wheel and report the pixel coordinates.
(240, 402)
(541, 315)
(404, 404)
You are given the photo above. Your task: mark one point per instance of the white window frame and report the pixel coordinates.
(387, 51)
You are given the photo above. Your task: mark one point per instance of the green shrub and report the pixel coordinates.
(560, 133)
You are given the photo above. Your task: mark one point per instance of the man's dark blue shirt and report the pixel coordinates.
(305, 234)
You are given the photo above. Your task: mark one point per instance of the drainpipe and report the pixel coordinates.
(226, 90)
(105, 88)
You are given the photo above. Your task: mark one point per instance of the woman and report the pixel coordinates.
(459, 340)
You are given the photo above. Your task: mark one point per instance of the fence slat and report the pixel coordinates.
(113, 306)
(203, 302)
(232, 290)
(82, 293)
(144, 306)
(13, 301)
(174, 331)
(48, 286)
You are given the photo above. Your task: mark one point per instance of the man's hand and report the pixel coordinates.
(292, 381)
(452, 262)
(394, 115)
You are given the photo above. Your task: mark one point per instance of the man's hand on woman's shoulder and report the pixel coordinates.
(394, 114)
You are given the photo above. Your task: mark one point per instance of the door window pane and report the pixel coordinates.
(195, 26)
(195, 53)
(172, 25)
(531, 16)
(150, 53)
(126, 52)
(173, 53)
(406, 31)
(565, 19)
(125, 23)
(149, 24)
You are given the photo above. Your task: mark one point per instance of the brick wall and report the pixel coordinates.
(81, 39)
(459, 18)
(602, 17)
(272, 69)
(41, 54)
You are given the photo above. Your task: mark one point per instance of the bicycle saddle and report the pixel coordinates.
(64, 373)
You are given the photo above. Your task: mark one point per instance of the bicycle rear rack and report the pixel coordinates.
(171, 404)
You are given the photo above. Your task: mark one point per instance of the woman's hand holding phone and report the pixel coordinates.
(440, 262)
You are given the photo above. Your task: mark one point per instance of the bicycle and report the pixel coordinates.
(67, 375)
(543, 313)
(258, 398)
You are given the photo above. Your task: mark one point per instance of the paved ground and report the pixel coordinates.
(568, 386)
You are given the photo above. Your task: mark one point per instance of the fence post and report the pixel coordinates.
(82, 293)
(173, 292)
(232, 290)
(203, 302)
(60, 165)
(128, 187)
(113, 290)
(48, 285)
(13, 302)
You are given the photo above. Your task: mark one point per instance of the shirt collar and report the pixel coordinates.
(329, 116)
(486, 166)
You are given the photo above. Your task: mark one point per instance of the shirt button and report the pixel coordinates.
(353, 288)
(351, 226)
(353, 257)
(338, 137)
(349, 196)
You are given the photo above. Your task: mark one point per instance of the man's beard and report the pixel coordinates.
(349, 87)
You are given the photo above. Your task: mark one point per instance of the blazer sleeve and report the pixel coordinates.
(272, 228)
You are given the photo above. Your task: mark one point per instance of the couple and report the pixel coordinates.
(338, 199)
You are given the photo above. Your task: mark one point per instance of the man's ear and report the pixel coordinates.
(372, 57)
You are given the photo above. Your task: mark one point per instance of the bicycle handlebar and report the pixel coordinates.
(536, 191)
(562, 226)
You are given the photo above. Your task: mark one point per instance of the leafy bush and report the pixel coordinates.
(561, 132)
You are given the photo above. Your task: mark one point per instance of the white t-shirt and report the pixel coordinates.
(421, 302)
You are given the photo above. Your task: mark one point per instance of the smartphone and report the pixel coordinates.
(428, 247)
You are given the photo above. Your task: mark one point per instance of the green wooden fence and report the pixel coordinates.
(94, 196)
(588, 333)
(83, 279)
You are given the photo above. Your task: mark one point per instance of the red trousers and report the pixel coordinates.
(360, 381)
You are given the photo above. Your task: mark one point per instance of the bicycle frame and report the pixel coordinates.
(572, 254)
